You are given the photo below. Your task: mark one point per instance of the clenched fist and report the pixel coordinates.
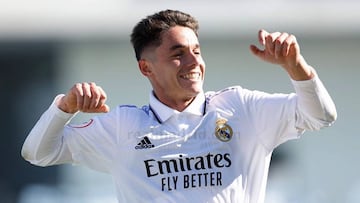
(84, 97)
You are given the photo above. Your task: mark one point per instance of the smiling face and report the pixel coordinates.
(175, 68)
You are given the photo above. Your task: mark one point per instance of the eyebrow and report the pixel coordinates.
(180, 46)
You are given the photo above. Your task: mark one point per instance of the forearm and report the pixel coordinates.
(300, 70)
(315, 108)
(44, 144)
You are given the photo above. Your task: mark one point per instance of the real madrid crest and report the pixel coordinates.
(223, 131)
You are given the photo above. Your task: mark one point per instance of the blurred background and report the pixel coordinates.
(47, 46)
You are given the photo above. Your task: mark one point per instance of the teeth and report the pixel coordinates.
(191, 76)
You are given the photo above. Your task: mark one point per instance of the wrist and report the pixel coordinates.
(62, 105)
(300, 70)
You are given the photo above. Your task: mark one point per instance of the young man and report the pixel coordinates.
(186, 145)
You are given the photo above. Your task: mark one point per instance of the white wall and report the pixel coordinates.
(78, 19)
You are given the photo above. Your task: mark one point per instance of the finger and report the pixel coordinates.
(280, 45)
(289, 43)
(78, 91)
(102, 98)
(95, 95)
(102, 106)
(261, 36)
(269, 42)
(86, 96)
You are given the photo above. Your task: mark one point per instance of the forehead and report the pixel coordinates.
(179, 36)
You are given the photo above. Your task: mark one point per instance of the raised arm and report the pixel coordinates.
(315, 108)
(44, 145)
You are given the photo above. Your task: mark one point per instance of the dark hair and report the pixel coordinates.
(148, 31)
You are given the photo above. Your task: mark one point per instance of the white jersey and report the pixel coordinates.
(216, 150)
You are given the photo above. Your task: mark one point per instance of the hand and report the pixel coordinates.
(284, 50)
(85, 97)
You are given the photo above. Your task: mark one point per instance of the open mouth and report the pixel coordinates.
(191, 76)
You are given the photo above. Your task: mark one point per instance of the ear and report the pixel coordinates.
(144, 67)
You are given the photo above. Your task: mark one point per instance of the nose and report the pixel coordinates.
(194, 59)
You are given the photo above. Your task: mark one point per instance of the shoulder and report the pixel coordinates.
(133, 110)
(244, 94)
(122, 114)
(226, 93)
(127, 116)
(237, 95)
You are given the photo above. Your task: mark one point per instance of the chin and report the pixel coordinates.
(194, 89)
(197, 91)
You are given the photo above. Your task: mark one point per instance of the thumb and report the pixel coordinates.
(103, 109)
(256, 51)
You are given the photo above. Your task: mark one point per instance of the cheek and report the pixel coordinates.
(176, 63)
(167, 70)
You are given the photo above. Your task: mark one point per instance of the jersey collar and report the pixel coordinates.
(163, 112)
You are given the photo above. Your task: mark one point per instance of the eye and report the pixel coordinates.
(197, 51)
(178, 54)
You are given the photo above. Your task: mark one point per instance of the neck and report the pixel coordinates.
(178, 105)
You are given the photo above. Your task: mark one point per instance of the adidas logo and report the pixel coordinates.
(144, 144)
